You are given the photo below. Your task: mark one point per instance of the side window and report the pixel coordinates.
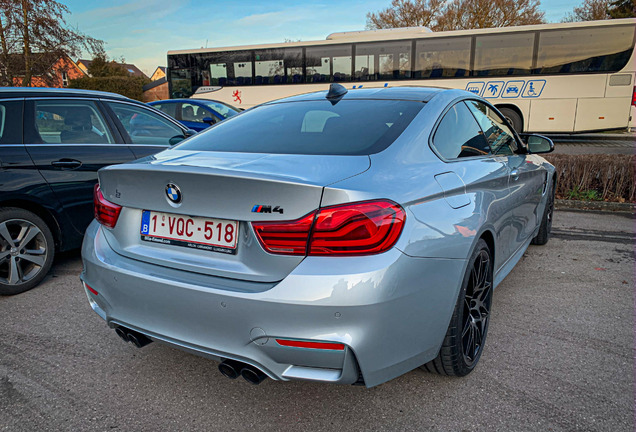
(11, 122)
(328, 64)
(168, 108)
(144, 126)
(194, 113)
(442, 57)
(383, 61)
(220, 109)
(596, 49)
(500, 138)
(503, 54)
(68, 122)
(458, 135)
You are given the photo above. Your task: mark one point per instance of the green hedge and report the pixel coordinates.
(131, 87)
(595, 177)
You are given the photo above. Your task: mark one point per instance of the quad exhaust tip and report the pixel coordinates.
(137, 339)
(232, 369)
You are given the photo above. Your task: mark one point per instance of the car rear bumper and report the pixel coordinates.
(390, 311)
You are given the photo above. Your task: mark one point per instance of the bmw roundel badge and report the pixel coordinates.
(173, 193)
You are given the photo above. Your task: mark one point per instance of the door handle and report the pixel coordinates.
(514, 174)
(67, 164)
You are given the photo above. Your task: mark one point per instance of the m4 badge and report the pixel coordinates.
(258, 208)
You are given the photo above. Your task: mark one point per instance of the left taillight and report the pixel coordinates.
(106, 212)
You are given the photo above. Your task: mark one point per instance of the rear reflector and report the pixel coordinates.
(91, 289)
(106, 212)
(362, 228)
(312, 345)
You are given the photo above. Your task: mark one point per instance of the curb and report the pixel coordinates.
(593, 137)
(562, 204)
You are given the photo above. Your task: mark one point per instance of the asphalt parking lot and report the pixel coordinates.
(559, 357)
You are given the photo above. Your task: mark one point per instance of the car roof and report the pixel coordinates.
(188, 100)
(48, 92)
(411, 93)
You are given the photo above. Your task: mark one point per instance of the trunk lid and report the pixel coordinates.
(229, 186)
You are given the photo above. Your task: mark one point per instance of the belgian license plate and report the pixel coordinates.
(217, 235)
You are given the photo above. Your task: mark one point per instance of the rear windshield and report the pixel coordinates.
(351, 127)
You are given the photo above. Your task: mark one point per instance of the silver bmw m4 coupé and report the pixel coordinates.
(343, 237)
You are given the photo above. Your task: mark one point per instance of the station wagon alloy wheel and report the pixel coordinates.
(25, 251)
(477, 308)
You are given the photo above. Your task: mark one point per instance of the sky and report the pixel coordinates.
(143, 31)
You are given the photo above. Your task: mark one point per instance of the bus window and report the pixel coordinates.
(218, 73)
(383, 61)
(328, 63)
(597, 49)
(504, 54)
(230, 68)
(180, 83)
(278, 66)
(442, 57)
(242, 72)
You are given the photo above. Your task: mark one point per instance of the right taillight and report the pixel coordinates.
(106, 212)
(362, 228)
(634, 97)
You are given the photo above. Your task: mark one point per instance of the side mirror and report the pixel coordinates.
(176, 140)
(208, 120)
(537, 144)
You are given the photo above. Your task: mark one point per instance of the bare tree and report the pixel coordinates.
(33, 37)
(622, 9)
(473, 14)
(406, 13)
(590, 10)
(457, 14)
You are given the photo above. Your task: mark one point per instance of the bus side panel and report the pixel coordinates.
(600, 114)
(552, 115)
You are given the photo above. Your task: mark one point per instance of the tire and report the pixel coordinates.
(543, 235)
(26, 250)
(460, 353)
(513, 118)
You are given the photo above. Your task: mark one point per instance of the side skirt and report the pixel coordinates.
(505, 269)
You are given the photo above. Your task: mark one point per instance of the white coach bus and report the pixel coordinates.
(571, 77)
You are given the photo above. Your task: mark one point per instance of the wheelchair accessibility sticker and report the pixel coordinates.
(533, 89)
(513, 89)
(475, 87)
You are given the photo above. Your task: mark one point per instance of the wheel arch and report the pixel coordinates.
(47, 216)
(489, 238)
(516, 109)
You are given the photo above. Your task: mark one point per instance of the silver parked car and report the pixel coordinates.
(335, 237)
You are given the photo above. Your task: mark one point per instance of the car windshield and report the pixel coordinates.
(350, 127)
(224, 110)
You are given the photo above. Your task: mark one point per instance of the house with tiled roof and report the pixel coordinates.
(130, 68)
(46, 70)
(159, 73)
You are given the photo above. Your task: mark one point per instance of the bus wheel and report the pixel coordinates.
(513, 118)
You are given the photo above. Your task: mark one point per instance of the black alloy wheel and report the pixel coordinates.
(477, 302)
(545, 228)
(464, 342)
